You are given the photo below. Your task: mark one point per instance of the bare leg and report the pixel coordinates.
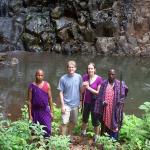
(64, 129)
(96, 130)
(84, 128)
(70, 128)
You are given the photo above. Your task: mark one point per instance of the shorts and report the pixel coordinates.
(70, 115)
(89, 108)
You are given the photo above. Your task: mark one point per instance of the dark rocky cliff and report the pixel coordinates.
(103, 27)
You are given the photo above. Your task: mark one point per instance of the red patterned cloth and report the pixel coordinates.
(109, 97)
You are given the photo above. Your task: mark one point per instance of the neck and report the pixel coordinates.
(71, 74)
(38, 82)
(92, 75)
(111, 81)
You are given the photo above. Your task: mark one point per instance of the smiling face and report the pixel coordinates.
(71, 67)
(91, 69)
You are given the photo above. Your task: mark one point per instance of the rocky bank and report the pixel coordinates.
(102, 27)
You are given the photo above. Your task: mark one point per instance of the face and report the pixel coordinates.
(111, 75)
(71, 69)
(39, 75)
(91, 69)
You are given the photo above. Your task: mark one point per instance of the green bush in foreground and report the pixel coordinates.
(24, 135)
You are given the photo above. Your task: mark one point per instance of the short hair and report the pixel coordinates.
(39, 70)
(71, 62)
(110, 70)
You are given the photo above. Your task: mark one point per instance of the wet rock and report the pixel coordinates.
(87, 32)
(10, 32)
(29, 39)
(64, 34)
(74, 25)
(39, 34)
(106, 4)
(146, 38)
(137, 51)
(145, 51)
(38, 2)
(82, 19)
(123, 45)
(88, 48)
(83, 5)
(35, 48)
(15, 6)
(63, 22)
(48, 39)
(105, 46)
(36, 23)
(4, 7)
(3, 56)
(56, 13)
(75, 31)
(70, 47)
(57, 48)
(14, 61)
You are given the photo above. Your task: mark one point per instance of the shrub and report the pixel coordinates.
(58, 142)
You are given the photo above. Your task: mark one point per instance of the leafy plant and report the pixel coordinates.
(57, 121)
(146, 118)
(107, 143)
(58, 142)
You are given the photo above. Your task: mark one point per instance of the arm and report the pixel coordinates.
(50, 100)
(61, 95)
(93, 90)
(62, 101)
(87, 86)
(29, 103)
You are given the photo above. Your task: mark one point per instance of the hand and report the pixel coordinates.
(52, 116)
(85, 84)
(105, 103)
(30, 117)
(63, 109)
(116, 130)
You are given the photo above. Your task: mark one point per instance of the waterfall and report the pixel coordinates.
(4, 8)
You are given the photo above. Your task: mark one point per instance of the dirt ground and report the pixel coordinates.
(82, 143)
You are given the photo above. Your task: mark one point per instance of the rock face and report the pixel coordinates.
(112, 27)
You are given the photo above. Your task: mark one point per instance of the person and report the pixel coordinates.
(91, 86)
(40, 98)
(69, 88)
(109, 104)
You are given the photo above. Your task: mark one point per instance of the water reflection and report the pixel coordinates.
(14, 80)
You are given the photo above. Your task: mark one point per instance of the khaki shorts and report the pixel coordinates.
(70, 115)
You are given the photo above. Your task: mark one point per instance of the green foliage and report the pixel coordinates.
(136, 131)
(59, 142)
(146, 118)
(145, 107)
(15, 135)
(57, 121)
(108, 143)
(25, 113)
(24, 135)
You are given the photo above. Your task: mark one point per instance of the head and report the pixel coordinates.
(39, 75)
(91, 70)
(71, 67)
(111, 75)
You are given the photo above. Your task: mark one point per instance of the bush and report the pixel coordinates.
(58, 142)
(24, 135)
(107, 143)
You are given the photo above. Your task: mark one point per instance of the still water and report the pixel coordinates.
(15, 79)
